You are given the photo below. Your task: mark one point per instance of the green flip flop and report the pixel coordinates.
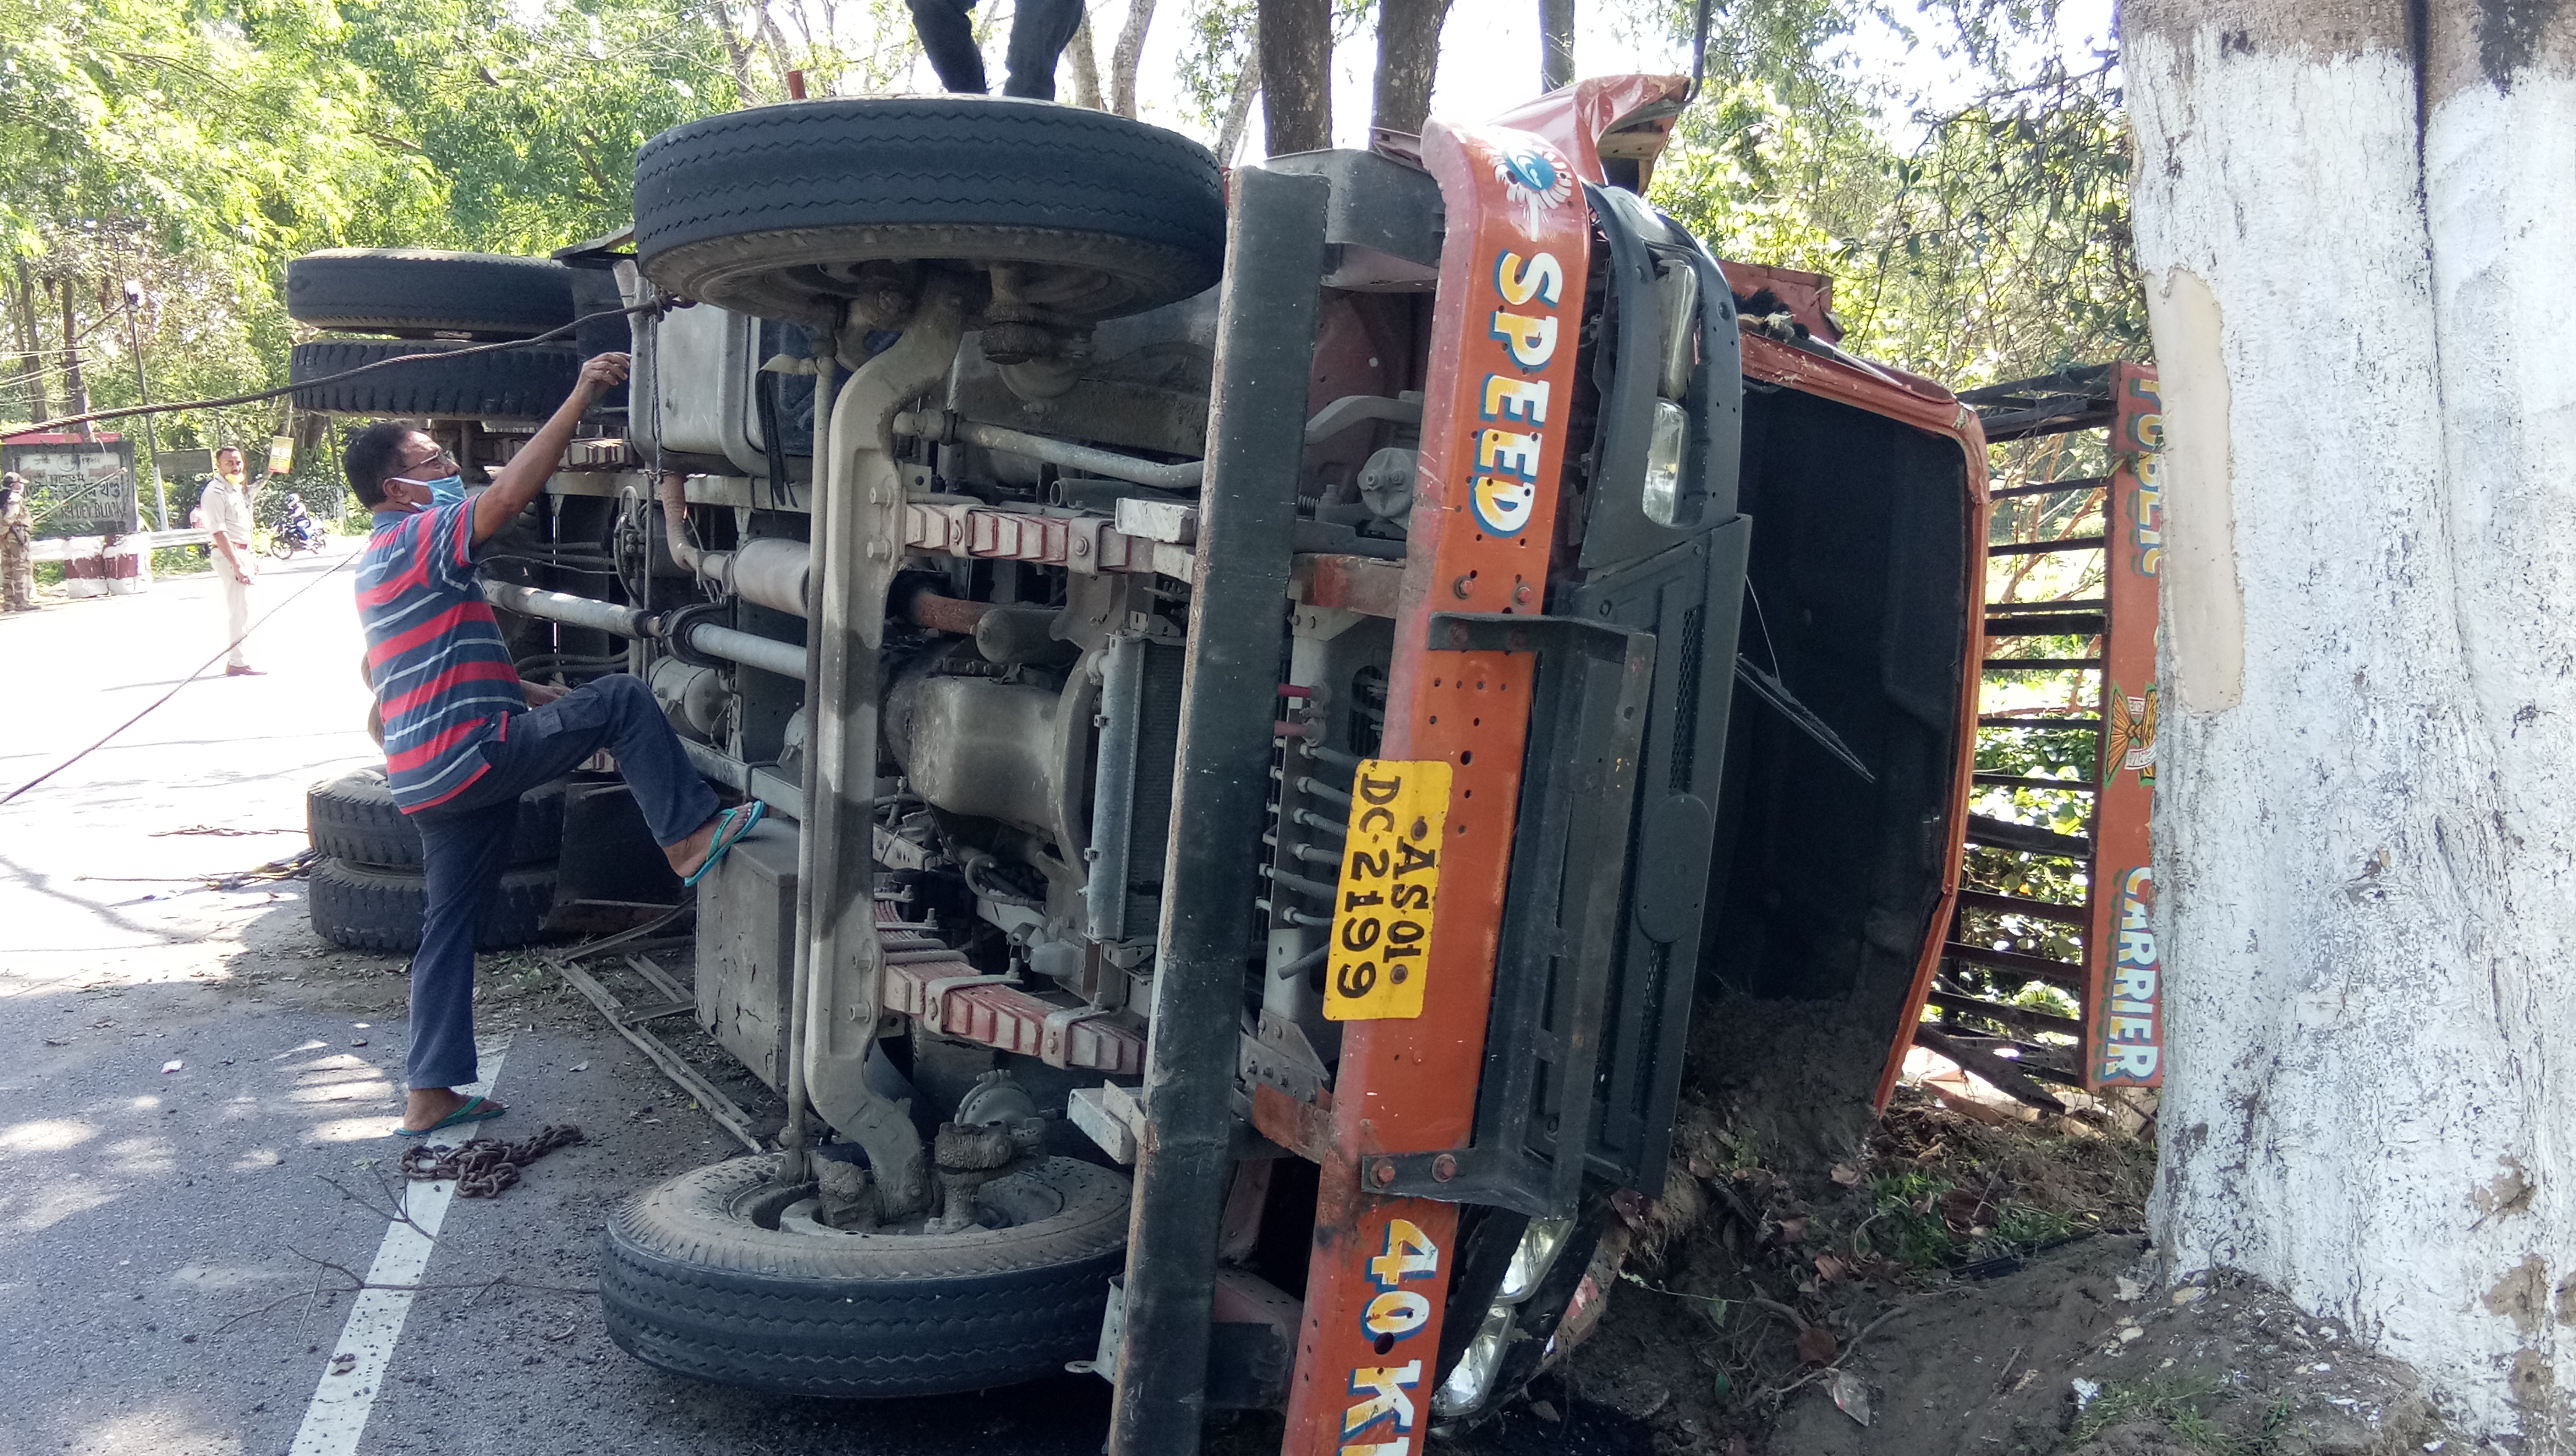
(476, 1109)
(731, 826)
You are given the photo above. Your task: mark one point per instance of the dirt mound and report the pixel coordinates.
(1950, 1285)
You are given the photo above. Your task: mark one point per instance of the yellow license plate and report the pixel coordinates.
(1381, 931)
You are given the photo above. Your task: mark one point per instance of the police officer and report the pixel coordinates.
(226, 505)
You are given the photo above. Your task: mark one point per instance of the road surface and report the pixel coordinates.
(195, 1094)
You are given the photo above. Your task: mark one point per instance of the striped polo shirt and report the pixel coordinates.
(443, 677)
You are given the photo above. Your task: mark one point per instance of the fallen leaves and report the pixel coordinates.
(1817, 1345)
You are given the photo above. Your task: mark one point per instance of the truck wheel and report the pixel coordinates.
(771, 211)
(708, 1276)
(353, 818)
(506, 384)
(413, 293)
(371, 909)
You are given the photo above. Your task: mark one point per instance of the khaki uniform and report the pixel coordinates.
(227, 514)
(17, 558)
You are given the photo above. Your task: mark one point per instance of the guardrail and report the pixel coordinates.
(59, 548)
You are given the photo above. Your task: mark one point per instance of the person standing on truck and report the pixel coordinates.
(464, 736)
(1040, 30)
(17, 544)
(225, 506)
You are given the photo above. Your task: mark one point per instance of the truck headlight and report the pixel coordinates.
(1664, 449)
(1472, 1380)
(1531, 1259)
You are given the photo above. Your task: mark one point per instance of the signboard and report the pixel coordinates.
(2124, 995)
(184, 467)
(75, 487)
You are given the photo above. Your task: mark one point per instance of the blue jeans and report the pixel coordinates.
(1039, 32)
(465, 843)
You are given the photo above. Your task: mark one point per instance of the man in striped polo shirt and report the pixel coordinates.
(464, 737)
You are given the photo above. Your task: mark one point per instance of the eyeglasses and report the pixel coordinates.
(442, 458)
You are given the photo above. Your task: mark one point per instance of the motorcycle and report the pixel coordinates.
(298, 532)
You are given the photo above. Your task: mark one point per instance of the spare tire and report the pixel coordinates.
(703, 1276)
(770, 211)
(353, 818)
(522, 383)
(372, 909)
(416, 292)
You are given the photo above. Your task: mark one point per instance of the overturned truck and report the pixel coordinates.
(1276, 691)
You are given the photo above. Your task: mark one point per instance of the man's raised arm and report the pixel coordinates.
(518, 482)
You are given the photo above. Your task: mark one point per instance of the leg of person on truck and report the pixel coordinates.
(465, 846)
(1040, 30)
(464, 737)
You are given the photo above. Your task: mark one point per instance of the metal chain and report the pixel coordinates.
(483, 1169)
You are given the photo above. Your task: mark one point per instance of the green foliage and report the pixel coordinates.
(528, 116)
(1905, 1222)
(2025, 1226)
(1994, 246)
(2187, 1407)
(181, 561)
(192, 150)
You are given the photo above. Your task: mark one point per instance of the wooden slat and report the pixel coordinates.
(2046, 548)
(2048, 624)
(2019, 781)
(2043, 664)
(2077, 915)
(2026, 838)
(2051, 487)
(2022, 1018)
(2000, 720)
(1981, 1063)
(2049, 419)
(2039, 968)
(2053, 604)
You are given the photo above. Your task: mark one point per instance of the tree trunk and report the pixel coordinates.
(2353, 221)
(737, 54)
(1408, 61)
(1127, 55)
(32, 367)
(1086, 67)
(1238, 112)
(1555, 43)
(1295, 43)
(75, 388)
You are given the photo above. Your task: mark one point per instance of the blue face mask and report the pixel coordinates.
(447, 490)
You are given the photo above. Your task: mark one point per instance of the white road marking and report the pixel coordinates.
(341, 1403)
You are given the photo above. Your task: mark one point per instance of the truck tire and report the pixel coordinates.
(768, 211)
(522, 384)
(353, 818)
(371, 909)
(698, 1278)
(413, 293)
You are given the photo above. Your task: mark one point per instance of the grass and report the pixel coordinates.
(2186, 1407)
(1904, 1222)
